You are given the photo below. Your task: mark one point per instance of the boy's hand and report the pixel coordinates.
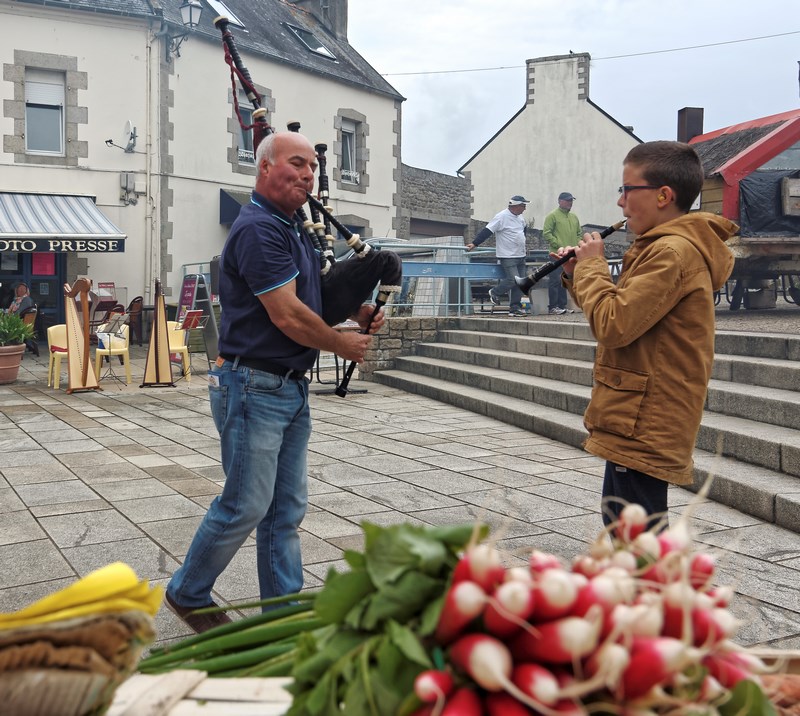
(590, 245)
(569, 266)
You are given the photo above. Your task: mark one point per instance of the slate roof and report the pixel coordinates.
(265, 34)
(719, 147)
(130, 8)
(718, 151)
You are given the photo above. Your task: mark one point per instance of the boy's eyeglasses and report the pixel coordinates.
(625, 189)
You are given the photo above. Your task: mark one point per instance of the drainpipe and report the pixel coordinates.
(151, 232)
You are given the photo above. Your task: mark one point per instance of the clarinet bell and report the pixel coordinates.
(525, 284)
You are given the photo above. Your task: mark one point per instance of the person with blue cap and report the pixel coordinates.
(508, 228)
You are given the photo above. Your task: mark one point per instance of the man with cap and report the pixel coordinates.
(561, 228)
(508, 228)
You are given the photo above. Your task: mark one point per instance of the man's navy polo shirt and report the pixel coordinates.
(264, 251)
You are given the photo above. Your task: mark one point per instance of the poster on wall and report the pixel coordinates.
(43, 264)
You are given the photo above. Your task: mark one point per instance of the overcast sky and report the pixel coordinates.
(448, 117)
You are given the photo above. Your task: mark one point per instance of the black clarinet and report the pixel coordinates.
(526, 284)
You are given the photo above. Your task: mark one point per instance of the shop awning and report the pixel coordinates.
(230, 202)
(55, 223)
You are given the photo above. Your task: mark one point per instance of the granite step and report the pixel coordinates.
(766, 492)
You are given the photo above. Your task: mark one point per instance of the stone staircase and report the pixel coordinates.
(537, 374)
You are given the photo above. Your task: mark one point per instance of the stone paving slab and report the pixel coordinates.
(126, 474)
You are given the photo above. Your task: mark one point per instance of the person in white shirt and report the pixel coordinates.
(508, 228)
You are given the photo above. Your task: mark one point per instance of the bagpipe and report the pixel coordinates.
(348, 283)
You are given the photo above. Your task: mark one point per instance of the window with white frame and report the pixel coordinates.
(44, 111)
(246, 152)
(349, 169)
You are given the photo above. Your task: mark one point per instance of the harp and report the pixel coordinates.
(79, 365)
(157, 367)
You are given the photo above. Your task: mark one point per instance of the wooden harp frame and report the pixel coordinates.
(158, 367)
(79, 364)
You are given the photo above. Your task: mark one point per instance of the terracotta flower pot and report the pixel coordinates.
(10, 359)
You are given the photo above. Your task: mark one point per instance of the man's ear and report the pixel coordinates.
(665, 196)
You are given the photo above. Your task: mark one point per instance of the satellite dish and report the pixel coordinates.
(129, 137)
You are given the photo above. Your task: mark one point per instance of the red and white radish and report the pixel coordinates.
(432, 686)
(537, 682)
(508, 609)
(652, 662)
(464, 602)
(464, 702)
(480, 564)
(612, 587)
(488, 663)
(555, 592)
(701, 570)
(502, 704)
(542, 561)
(632, 522)
(560, 641)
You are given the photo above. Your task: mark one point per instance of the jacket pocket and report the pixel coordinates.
(616, 400)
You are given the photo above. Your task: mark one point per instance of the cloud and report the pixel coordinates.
(448, 117)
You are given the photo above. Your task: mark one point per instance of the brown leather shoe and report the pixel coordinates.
(199, 622)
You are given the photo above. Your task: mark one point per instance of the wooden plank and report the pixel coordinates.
(145, 695)
(266, 690)
(219, 708)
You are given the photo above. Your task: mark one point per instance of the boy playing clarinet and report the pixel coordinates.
(654, 328)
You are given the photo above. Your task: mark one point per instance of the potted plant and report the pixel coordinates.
(13, 334)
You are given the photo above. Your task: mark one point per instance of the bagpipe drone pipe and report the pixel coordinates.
(346, 284)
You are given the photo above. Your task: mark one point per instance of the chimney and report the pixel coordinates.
(331, 13)
(690, 123)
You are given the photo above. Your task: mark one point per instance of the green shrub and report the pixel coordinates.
(13, 330)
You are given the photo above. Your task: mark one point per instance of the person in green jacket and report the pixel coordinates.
(561, 228)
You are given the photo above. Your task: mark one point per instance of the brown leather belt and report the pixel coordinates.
(266, 366)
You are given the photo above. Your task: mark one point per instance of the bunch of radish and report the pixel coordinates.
(634, 627)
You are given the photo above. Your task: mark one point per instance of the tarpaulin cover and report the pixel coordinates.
(760, 206)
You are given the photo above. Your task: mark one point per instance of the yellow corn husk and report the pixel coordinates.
(112, 588)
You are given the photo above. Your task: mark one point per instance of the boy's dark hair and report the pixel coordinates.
(672, 164)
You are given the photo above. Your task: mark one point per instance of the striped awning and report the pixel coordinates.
(55, 223)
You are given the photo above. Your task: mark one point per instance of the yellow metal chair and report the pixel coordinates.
(177, 344)
(118, 347)
(57, 347)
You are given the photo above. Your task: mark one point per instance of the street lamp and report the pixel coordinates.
(190, 17)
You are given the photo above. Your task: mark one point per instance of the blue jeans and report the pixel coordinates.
(511, 268)
(556, 293)
(264, 425)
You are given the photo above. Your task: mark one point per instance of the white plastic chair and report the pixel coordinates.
(57, 347)
(177, 344)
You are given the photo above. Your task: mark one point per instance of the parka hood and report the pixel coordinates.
(697, 227)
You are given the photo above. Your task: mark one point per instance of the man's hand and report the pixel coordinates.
(363, 316)
(470, 247)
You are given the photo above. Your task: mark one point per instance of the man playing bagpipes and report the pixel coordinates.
(271, 331)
